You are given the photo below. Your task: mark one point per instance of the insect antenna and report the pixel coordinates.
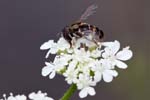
(88, 12)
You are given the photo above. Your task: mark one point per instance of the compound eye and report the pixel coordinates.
(84, 27)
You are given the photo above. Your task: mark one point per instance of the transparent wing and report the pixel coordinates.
(89, 11)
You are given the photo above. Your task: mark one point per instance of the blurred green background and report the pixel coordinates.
(26, 24)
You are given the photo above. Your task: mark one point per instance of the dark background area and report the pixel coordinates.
(26, 24)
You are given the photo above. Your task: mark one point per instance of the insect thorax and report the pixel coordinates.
(81, 29)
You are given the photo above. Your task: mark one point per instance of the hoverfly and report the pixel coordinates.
(80, 29)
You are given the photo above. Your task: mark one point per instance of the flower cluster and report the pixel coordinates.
(85, 63)
(32, 96)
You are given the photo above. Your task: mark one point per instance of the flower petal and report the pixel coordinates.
(124, 55)
(48, 98)
(97, 76)
(72, 64)
(121, 64)
(107, 77)
(20, 97)
(115, 47)
(113, 72)
(54, 50)
(52, 75)
(46, 70)
(63, 44)
(83, 93)
(47, 54)
(11, 98)
(91, 91)
(47, 45)
(32, 95)
(107, 44)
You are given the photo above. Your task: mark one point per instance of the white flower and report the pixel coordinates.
(71, 73)
(111, 53)
(84, 83)
(61, 61)
(102, 69)
(51, 46)
(17, 97)
(81, 55)
(96, 53)
(39, 96)
(49, 69)
(32, 96)
(21, 97)
(62, 44)
(85, 63)
(87, 90)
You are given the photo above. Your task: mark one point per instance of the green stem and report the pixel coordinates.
(69, 92)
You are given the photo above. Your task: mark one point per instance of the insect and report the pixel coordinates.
(81, 29)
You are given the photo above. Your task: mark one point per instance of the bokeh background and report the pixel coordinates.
(26, 24)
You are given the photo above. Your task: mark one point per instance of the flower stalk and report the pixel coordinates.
(69, 92)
